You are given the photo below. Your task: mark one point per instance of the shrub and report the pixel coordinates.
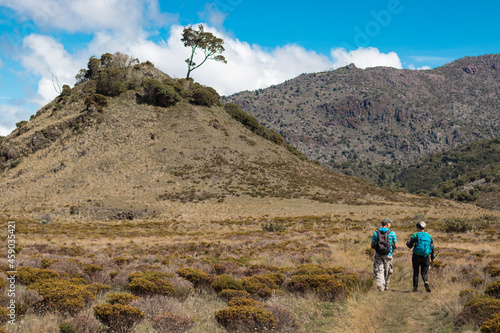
(67, 327)
(150, 285)
(29, 275)
(285, 320)
(118, 317)
(263, 285)
(326, 286)
(111, 81)
(170, 322)
(466, 295)
(61, 295)
(226, 282)
(85, 323)
(493, 268)
(97, 101)
(3, 315)
(160, 94)
(477, 311)
(96, 288)
(245, 319)
(457, 225)
(240, 301)
(229, 294)
(206, 96)
(121, 298)
(3, 283)
(310, 269)
(237, 113)
(91, 268)
(493, 289)
(492, 325)
(196, 276)
(66, 91)
(220, 269)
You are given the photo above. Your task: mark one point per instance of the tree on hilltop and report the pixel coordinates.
(206, 41)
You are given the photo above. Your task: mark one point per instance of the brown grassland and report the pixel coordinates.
(101, 256)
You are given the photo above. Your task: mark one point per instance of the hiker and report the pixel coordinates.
(423, 252)
(384, 241)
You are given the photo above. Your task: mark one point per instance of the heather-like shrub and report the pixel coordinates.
(29, 275)
(493, 289)
(492, 325)
(493, 268)
(466, 295)
(67, 327)
(220, 269)
(456, 224)
(240, 301)
(310, 269)
(66, 91)
(226, 282)
(326, 286)
(263, 285)
(85, 323)
(170, 322)
(245, 319)
(477, 311)
(3, 315)
(96, 288)
(3, 283)
(196, 276)
(237, 113)
(229, 294)
(118, 317)
(285, 320)
(149, 285)
(121, 298)
(61, 295)
(91, 268)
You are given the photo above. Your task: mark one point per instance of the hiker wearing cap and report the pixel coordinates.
(423, 250)
(384, 241)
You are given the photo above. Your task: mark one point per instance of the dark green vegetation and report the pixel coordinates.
(370, 123)
(469, 173)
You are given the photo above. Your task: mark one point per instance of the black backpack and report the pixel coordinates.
(382, 246)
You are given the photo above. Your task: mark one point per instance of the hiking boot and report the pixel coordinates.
(427, 288)
(415, 289)
(386, 288)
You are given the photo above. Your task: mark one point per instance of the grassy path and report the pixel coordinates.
(399, 309)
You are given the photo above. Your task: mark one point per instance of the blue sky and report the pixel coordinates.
(267, 42)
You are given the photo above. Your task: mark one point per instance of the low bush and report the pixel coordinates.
(111, 81)
(30, 275)
(148, 284)
(245, 319)
(160, 94)
(240, 301)
(263, 285)
(492, 325)
(493, 268)
(62, 295)
(229, 294)
(285, 320)
(477, 311)
(326, 286)
(3, 315)
(196, 276)
(86, 323)
(220, 269)
(205, 96)
(96, 288)
(226, 282)
(118, 317)
(170, 322)
(3, 283)
(121, 298)
(67, 327)
(457, 224)
(96, 101)
(493, 289)
(237, 113)
(91, 268)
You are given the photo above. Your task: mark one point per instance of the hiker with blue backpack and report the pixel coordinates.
(384, 241)
(423, 253)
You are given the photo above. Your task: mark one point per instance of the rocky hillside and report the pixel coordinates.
(355, 119)
(128, 142)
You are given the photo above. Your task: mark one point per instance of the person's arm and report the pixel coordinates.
(374, 239)
(395, 243)
(411, 242)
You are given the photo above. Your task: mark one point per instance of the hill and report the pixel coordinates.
(130, 142)
(467, 173)
(368, 122)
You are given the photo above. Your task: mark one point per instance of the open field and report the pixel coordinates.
(267, 258)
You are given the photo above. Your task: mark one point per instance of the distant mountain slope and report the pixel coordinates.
(118, 156)
(355, 119)
(469, 173)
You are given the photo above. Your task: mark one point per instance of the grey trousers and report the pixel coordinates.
(382, 268)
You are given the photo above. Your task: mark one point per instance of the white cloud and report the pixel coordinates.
(48, 59)
(413, 67)
(364, 58)
(10, 115)
(122, 16)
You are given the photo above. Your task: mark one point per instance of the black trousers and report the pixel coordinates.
(420, 264)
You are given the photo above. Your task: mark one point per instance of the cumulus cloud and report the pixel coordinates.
(125, 16)
(413, 67)
(364, 58)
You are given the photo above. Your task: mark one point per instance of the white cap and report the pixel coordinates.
(421, 225)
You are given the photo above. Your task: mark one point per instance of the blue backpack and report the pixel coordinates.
(423, 244)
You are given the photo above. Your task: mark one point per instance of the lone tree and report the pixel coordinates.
(206, 41)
